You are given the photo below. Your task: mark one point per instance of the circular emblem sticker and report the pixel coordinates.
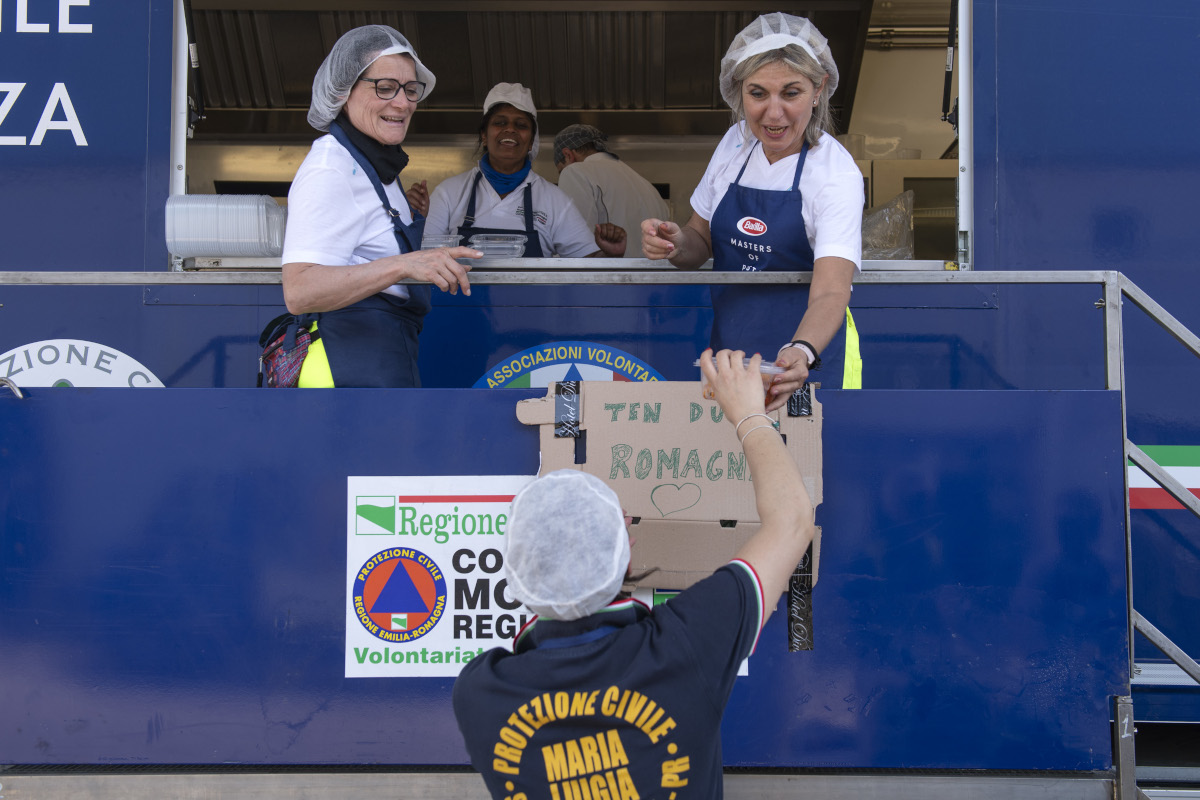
(73, 362)
(566, 361)
(399, 594)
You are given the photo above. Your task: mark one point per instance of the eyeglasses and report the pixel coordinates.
(387, 88)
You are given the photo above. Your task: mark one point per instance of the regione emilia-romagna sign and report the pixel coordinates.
(425, 588)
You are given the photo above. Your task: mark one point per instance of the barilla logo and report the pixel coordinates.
(751, 226)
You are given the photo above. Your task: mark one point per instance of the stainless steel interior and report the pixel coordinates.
(633, 67)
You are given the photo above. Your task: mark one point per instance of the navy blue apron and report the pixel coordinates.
(763, 229)
(373, 343)
(533, 242)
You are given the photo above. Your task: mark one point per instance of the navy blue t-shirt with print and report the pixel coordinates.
(625, 703)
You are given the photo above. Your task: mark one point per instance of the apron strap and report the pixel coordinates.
(469, 219)
(799, 164)
(529, 231)
(737, 181)
(398, 227)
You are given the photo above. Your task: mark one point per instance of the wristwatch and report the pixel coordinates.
(814, 360)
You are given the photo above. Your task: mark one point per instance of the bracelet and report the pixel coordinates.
(742, 441)
(738, 427)
(815, 363)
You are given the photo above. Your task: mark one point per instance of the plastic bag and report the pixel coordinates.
(887, 230)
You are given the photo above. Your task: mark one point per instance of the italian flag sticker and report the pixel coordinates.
(1182, 462)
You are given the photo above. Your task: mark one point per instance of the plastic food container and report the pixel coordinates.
(766, 368)
(499, 245)
(434, 242)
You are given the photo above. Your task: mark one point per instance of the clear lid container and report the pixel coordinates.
(765, 368)
(499, 245)
(434, 242)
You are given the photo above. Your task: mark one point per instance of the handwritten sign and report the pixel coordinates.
(667, 452)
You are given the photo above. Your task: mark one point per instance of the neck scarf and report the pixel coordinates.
(503, 184)
(388, 160)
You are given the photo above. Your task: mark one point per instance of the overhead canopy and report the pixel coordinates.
(635, 67)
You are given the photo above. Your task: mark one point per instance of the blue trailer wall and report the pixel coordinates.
(85, 94)
(1063, 181)
(1086, 157)
(173, 578)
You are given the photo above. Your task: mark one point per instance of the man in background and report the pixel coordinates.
(602, 187)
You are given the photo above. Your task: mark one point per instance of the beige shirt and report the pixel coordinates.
(606, 189)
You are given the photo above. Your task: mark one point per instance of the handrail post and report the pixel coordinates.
(1124, 761)
(1114, 344)
(1114, 376)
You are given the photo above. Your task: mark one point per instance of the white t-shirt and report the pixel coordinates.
(606, 189)
(831, 184)
(335, 217)
(559, 226)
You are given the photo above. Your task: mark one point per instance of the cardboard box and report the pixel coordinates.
(675, 463)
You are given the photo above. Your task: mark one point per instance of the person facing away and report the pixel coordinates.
(602, 697)
(602, 186)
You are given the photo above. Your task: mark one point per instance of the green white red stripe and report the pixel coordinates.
(1182, 462)
(762, 600)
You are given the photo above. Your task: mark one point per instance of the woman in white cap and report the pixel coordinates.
(603, 697)
(780, 193)
(503, 195)
(351, 235)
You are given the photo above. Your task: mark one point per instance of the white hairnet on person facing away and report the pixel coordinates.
(774, 32)
(356, 50)
(520, 98)
(567, 546)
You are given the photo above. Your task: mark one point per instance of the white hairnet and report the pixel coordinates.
(774, 32)
(356, 50)
(519, 98)
(567, 547)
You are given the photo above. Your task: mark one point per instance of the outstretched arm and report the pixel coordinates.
(826, 313)
(784, 508)
(318, 287)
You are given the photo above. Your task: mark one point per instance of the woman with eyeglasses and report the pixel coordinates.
(503, 195)
(351, 234)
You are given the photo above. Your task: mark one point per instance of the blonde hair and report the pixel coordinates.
(794, 57)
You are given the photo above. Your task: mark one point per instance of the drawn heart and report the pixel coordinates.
(670, 498)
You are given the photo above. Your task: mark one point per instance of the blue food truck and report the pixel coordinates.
(1009, 593)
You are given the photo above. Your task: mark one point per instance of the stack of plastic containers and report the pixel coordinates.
(224, 225)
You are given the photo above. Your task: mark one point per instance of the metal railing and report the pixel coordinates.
(1121, 287)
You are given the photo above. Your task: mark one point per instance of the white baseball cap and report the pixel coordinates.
(520, 98)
